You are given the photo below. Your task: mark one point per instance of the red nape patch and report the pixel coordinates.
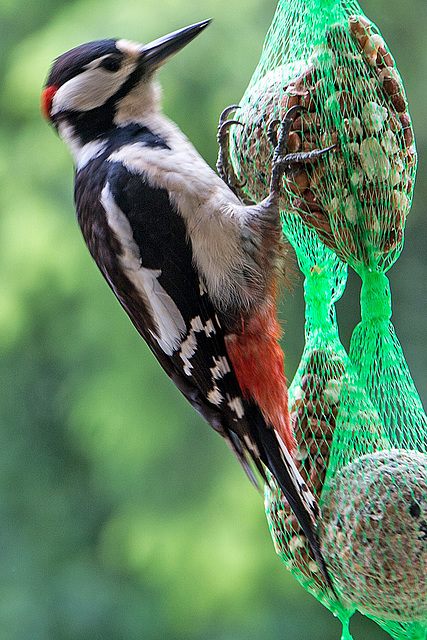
(257, 360)
(46, 100)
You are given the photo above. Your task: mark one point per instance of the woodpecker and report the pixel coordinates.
(195, 269)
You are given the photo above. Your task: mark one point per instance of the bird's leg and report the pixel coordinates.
(223, 164)
(289, 164)
(266, 222)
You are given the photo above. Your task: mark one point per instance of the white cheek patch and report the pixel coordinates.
(90, 89)
(169, 322)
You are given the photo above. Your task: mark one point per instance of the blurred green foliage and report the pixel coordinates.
(122, 515)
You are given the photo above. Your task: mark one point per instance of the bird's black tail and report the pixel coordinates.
(278, 460)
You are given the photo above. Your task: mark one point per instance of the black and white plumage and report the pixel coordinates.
(193, 267)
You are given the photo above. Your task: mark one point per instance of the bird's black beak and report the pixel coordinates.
(159, 51)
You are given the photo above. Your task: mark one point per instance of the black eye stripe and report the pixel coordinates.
(75, 61)
(111, 63)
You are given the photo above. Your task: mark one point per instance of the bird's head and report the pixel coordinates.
(107, 83)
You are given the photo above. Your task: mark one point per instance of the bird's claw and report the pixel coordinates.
(285, 128)
(223, 118)
(223, 130)
(289, 164)
(272, 132)
(226, 112)
(224, 125)
(223, 163)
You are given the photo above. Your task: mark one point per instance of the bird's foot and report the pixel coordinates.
(223, 164)
(289, 164)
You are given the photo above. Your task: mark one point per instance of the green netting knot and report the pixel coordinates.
(317, 289)
(346, 629)
(375, 297)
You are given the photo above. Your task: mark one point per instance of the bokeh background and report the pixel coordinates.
(122, 515)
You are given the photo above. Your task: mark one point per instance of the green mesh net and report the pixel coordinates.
(325, 56)
(358, 420)
(332, 416)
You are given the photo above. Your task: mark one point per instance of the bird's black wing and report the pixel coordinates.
(139, 242)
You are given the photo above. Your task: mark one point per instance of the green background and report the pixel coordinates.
(122, 515)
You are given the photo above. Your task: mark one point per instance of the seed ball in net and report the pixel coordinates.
(357, 196)
(313, 412)
(374, 534)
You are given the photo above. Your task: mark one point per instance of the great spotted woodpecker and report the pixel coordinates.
(194, 268)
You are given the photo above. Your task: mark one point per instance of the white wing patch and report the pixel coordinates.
(189, 345)
(169, 322)
(236, 405)
(306, 496)
(251, 446)
(209, 328)
(187, 351)
(222, 366)
(215, 396)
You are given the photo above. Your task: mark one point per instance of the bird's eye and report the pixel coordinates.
(112, 63)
